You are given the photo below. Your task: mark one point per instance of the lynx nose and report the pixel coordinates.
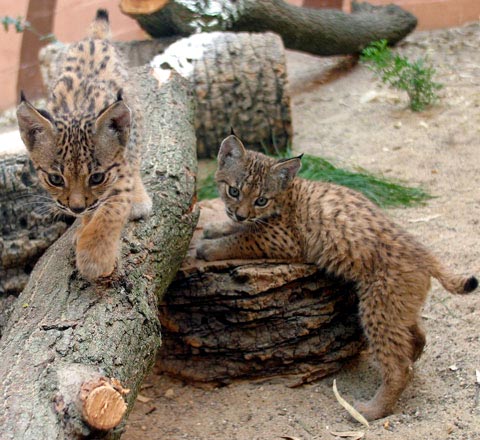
(77, 209)
(240, 218)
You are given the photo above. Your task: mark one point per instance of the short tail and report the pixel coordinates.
(453, 283)
(100, 27)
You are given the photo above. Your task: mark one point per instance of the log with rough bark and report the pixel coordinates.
(71, 348)
(239, 81)
(244, 319)
(318, 31)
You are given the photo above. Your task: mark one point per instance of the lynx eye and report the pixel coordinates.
(261, 201)
(233, 192)
(96, 179)
(56, 180)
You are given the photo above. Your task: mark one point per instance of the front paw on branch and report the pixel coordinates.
(94, 261)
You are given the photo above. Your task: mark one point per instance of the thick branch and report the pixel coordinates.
(318, 31)
(64, 331)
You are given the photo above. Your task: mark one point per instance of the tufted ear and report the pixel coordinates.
(113, 124)
(286, 169)
(231, 151)
(36, 126)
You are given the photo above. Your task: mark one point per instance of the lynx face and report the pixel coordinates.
(252, 191)
(77, 162)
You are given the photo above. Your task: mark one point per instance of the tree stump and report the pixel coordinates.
(239, 81)
(65, 332)
(318, 31)
(225, 320)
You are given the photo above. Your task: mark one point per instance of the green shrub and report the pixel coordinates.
(415, 78)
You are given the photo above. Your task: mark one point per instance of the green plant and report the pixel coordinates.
(413, 77)
(22, 25)
(383, 192)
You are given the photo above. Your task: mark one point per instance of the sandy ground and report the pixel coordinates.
(356, 121)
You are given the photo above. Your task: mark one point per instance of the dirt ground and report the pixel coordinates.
(357, 122)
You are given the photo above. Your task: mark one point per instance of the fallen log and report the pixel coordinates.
(318, 31)
(239, 81)
(65, 333)
(226, 320)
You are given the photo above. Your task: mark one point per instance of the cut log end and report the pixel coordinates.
(103, 405)
(141, 7)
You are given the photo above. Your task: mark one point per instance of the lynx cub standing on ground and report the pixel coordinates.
(86, 147)
(278, 215)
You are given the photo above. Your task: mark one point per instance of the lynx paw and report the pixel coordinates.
(207, 250)
(214, 230)
(96, 259)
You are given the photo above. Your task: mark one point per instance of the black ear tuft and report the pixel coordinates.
(300, 157)
(232, 132)
(470, 285)
(22, 96)
(46, 115)
(120, 95)
(102, 14)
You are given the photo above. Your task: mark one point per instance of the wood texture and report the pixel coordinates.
(239, 81)
(318, 31)
(245, 319)
(65, 331)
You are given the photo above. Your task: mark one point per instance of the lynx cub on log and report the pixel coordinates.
(278, 215)
(85, 147)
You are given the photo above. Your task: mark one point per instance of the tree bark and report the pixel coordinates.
(318, 31)
(241, 319)
(65, 332)
(240, 82)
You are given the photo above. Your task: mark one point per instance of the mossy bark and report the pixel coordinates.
(64, 330)
(318, 31)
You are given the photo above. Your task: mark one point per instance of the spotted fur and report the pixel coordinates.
(85, 147)
(278, 215)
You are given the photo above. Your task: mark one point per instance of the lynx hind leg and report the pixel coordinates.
(394, 343)
(419, 340)
(141, 201)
